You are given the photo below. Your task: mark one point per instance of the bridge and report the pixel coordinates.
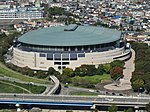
(71, 102)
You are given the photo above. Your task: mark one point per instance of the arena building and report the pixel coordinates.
(69, 46)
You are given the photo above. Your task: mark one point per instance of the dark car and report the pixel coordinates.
(113, 94)
(120, 94)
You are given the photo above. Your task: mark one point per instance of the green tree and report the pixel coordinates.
(68, 72)
(84, 70)
(113, 108)
(117, 63)
(26, 71)
(80, 71)
(147, 107)
(41, 74)
(82, 82)
(51, 71)
(147, 87)
(65, 79)
(137, 84)
(107, 67)
(100, 70)
(129, 110)
(56, 11)
(91, 70)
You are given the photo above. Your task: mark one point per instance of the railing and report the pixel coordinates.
(57, 85)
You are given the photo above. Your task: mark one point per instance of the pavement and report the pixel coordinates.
(49, 110)
(43, 99)
(125, 83)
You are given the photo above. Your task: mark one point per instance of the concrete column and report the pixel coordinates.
(136, 108)
(93, 107)
(18, 107)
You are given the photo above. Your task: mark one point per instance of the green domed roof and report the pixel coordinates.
(77, 36)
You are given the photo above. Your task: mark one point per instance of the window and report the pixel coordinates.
(57, 63)
(49, 56)
(65, 56)
(42, 55)
(81, 55)
(57, 56)
(65, 63)
(73, 56)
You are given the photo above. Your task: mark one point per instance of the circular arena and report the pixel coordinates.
(69, 46)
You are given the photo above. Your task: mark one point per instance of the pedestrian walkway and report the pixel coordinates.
(125, 83)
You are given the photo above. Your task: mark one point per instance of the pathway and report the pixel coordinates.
(125, 83)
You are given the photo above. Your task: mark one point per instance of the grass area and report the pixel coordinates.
(33, 88)
(5, 88)
(94, 79)
(10, 73)
(84, 93)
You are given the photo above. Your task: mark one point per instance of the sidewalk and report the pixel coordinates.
(125, 83)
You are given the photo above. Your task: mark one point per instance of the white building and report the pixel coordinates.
(20, 13)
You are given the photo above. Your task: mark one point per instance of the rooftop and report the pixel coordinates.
(80, 36)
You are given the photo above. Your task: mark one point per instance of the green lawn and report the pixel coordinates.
(84, 93)
(5, 88)
(94, 79)
(33, 88)
(10, 73)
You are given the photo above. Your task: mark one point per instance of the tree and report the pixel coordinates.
(27, 71)
(51, 71)
(107, 67)
(129, 110)
(147, 107)
(84, 70)
(65, 79)
(141, 75)
(147, 87)
(137, 84)
(117, 63)
(116, 72)
(113, 108)
(41, 74)
(91, 70)
(100, 70)
(80, 71)
(56, 11)
(68, 72)
(82, 82)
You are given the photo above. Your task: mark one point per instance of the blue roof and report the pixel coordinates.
(116, 16)
(82, 35)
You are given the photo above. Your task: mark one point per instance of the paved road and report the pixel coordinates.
(125, 83)
(64, 98)
(56, 86)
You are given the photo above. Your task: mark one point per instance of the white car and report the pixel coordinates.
(109, 99)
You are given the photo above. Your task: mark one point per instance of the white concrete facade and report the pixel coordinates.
(34, 61)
